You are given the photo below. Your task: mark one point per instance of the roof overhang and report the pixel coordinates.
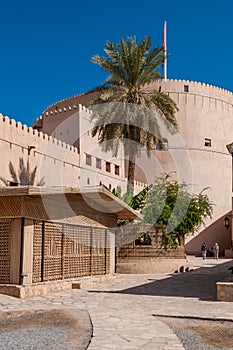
(97, 197)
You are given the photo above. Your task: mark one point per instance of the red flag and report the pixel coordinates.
(164, 42)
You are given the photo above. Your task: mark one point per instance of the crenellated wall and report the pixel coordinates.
(55, 162)
(216, 96)
(46, 152)
(198, 88)
(56, 113)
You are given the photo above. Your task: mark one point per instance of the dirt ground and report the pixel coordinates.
(72, 328)
(214, 333)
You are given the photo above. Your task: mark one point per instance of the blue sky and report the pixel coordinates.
(46, 46)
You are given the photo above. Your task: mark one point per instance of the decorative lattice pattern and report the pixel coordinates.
(77, 250)
(5, 249)
(52, 251)
(100, 248)
(132, 252)
(10, 206)
(64, 251)
(37, 252)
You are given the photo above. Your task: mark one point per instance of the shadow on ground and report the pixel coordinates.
(199, 283)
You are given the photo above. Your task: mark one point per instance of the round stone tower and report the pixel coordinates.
(205, 120)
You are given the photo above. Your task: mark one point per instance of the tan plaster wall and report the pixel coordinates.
(205, 112)
(57, 163)
(52, 157)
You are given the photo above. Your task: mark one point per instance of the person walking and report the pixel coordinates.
(216, 251)
(204, 250)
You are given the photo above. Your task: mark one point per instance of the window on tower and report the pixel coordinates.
(208, 142)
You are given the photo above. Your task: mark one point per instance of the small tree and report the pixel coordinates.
(174, 210)
(136, 202)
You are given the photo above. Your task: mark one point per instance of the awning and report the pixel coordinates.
(102, 200)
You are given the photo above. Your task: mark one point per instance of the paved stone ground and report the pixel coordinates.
(126, 311)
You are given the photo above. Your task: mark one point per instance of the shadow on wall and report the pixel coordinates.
(23, 176)
(216, 232)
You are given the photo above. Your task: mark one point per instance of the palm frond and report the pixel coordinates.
(131, 67)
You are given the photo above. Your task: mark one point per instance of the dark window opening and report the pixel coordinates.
(12, 183)
(88, 181)
(117, 170)
(88, 159)
(108, 167)
(98, 163)
(208, 142)
(186, 88)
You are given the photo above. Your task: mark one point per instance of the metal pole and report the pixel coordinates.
(165, 49)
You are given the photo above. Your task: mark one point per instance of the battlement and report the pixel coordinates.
(176, 85)
(198, 83)
(30, 135)
(75, 103)
(63, 100)
(88, 112)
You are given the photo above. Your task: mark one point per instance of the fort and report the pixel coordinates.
(63, 152)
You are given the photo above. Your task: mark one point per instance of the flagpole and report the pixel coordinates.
(165, 49)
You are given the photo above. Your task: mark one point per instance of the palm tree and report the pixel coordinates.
(131, 107)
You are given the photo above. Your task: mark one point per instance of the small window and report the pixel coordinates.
(88, 181)
(100, 183)
(108, 167)
(162, 145)
(110, 186)
(186, 88)
(117, 170)
(12, 183)
(88, 159)
(208, 142)
(98, 163)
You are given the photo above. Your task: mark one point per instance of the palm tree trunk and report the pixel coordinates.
(132, 159)
(131, 172)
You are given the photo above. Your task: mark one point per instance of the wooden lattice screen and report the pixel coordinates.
(100, 255)
(37, 251)
(77, 251)
(62, 251)
(5, 249)
(131, 252)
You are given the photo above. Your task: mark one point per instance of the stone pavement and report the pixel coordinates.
(127, 311)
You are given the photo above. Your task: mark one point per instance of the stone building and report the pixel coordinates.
(54, 234)
(197, 154)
